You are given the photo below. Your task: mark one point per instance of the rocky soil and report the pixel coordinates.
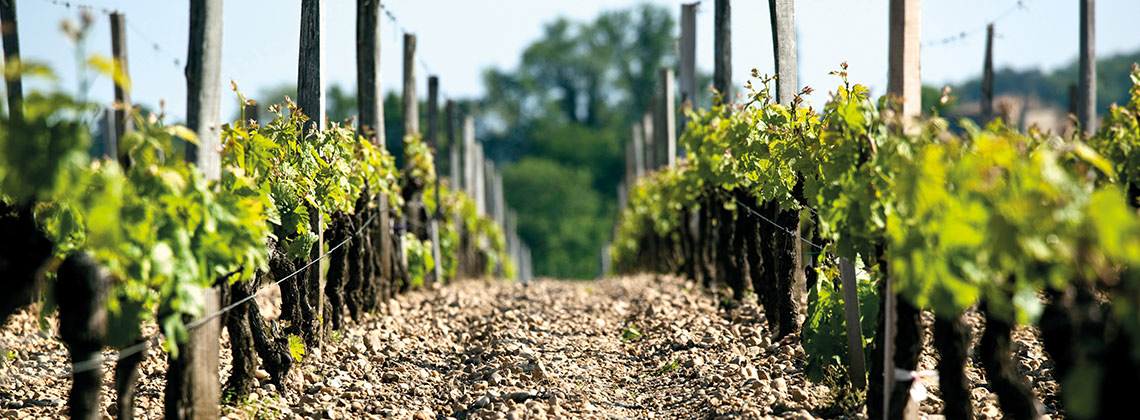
(635, 347)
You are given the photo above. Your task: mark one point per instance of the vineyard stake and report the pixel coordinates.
(480, 191)
(123, 120)
(667, 117)
(196, 393)
(487, 186)
(368, 90)
(500, 203)
(11, 39)
(453, 164)
(1086, 112)
(638, 149)
(203, 79)
(858, 371)
(433, 142)
(904, 80)
(385, 232)
(411, 103)
(988, 77)
(783, 13)
(722, 46)
(469, 155)
(687, 68)
(651, 145)
(311, 98)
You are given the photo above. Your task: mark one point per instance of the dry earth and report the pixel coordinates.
(494, 350)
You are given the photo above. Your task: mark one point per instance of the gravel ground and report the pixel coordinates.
(635, 347)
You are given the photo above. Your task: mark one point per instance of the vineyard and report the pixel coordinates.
(855, 257)
(1025, 228)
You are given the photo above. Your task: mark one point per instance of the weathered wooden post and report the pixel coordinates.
(411, 219)
(370, 123)
(652, 156)
(687, 69)
(638, 149)
(904, 83)
(110, 146)
(433, 142)
(988, 77)
(1086, 113)
(193, 389)
(470, 156)
(903, 79)
(122, 106)
(480, 180)
(453, 165)
(667, 117)
(722, 46)
(858, 372)
(311, 99)
(11, 37)
(500, 202)
(411, 103)
(783, 14)
(488, 188)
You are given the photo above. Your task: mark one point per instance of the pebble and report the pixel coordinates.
(748, 372)
(261, 374)
(780, 385)
(481, 402)
(797, 394)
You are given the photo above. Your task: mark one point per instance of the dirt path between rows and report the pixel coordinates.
(476, 349)
(624, 348)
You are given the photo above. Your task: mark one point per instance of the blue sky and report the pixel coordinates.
(459, 39)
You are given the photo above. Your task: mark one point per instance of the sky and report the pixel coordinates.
(459, 39)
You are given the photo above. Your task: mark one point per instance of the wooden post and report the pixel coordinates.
(368, 90)
(385, 238)
(110, 147)
(667, 117)
(783, 14)
(638, 149)
(433, 142)
(11, 36)
(1086, 113)
(480, 186)
(123, 121)
(311, 99)
(890, 317)
(904, 80)
(500, 203)
(411, 103)
(193, 390)
(252, 112)
(432, 135)
(722, 46)
(651, 145)
(470, 158)
(988, 77)
(203, 85)
(193, 387)
(858, 370)
(687, 70)
(488, 187)
(453, 166)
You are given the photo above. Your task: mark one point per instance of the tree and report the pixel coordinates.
(566, 112)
